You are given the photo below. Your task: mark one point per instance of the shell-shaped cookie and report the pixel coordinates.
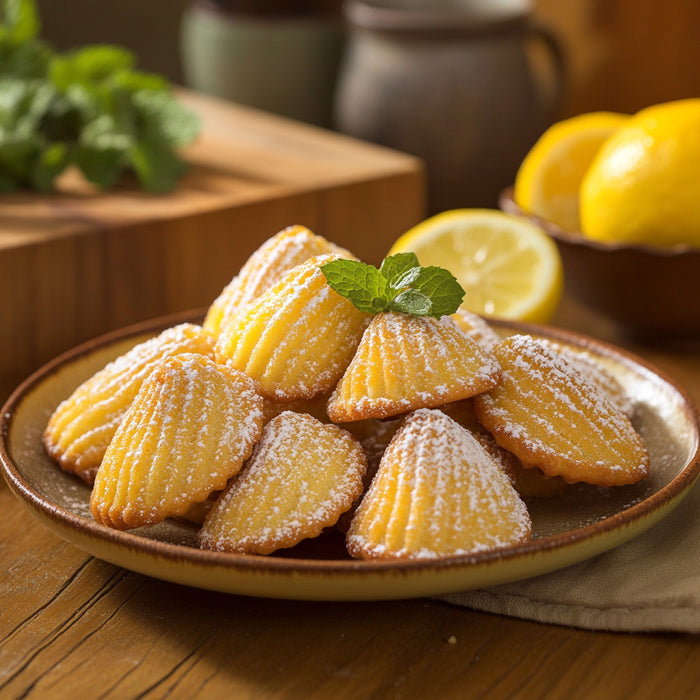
(266, 266)
(551, 416)
(476, 327)
(302, 476)
(188, 431)
(597, 373)
(407, 362)
(297, 338)
(82, 426)
(437, 493)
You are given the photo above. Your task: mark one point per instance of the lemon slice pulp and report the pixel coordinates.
(549, 178)
(508, 267)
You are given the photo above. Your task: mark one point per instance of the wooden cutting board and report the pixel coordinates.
(79, 263)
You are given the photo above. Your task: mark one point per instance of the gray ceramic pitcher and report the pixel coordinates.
(454, 83)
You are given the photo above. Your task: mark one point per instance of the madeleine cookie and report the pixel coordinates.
(265, 267)
(551, 416)
(302, 476)
(596, 373)
(297, 338)
(437, 493)
(407, 362)
(476, 327)
(188, 431)
(81, 428)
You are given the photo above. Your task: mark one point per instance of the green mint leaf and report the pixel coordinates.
(132, 81)
(103, 152)
(102, 168)
(84, 102)
(21, 19)
(15, 94)
(363, 284)
(155, 164)
(443, 289)
(399, 285)
(18, 151)
(407, 279)
(89, 65)
(395, 266)
(161, 113)
(42, 101)
(26, 60)
(413, 302)
(89, 106)
(50, 163)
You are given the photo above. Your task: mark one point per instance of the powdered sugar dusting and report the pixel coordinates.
(82, 426)
(437, 493)
(405, 362)
(552, 415)
(189, 430)
(297, 338)
(290, 247)
(302, 476)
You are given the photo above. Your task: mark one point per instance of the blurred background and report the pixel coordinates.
(405, 80)
(621, 54)
(467, 93)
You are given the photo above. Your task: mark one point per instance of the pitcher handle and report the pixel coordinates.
(548, 39)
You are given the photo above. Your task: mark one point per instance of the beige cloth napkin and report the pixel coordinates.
(650, 584)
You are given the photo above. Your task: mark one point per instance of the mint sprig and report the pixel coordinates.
(400, 284)
(89, 108)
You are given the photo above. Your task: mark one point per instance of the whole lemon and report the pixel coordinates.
(643, 186)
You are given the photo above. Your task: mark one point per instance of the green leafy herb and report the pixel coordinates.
(89, 107)
(400, 284)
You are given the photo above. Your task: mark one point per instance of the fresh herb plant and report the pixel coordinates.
(89, 107)
(400, 284)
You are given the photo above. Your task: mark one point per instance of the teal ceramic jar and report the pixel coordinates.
(281, 56)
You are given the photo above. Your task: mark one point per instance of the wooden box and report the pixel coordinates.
(79, 263)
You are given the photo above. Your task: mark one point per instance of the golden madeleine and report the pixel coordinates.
(189, 429)
(476, 327)
(266, 266)
(297, 338)
(437, 493)
(302, 477)
(407, 362)
(597, 373)
(552, 416)
(80, 429)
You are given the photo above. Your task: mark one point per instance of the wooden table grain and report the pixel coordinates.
(74, 626)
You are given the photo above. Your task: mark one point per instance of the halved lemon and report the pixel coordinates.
(548, 180)
(508, 267)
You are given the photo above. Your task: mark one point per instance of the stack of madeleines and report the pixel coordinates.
(290, 411)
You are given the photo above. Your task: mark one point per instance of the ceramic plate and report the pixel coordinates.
(583, 523)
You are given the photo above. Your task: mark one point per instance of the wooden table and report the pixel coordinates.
(74, 626)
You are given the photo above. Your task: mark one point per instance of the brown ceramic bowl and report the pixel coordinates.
(651, 293)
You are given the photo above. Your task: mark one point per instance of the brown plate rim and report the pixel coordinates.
(665, 496)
